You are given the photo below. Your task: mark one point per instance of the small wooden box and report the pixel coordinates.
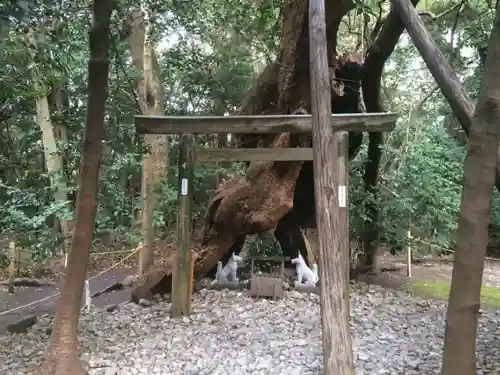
(267, 286)
(262, 286)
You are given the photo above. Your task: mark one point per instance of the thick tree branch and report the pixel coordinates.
(443, 14)
(439, 67)
(430, 16)
(445, 77)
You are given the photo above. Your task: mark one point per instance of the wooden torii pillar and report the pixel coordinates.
(330, 159)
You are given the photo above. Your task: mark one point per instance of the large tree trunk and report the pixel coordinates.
(62, 356)
(257, 202)
(472, 234)
(302, 215)
(371, 76)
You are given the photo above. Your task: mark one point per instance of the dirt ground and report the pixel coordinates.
(26, 295)
(394, 271)
(53, 270)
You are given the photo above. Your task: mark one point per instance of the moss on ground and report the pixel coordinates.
(439, 289)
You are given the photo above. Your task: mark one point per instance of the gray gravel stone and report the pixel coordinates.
(231, 333)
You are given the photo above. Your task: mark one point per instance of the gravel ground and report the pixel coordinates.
(229, 333)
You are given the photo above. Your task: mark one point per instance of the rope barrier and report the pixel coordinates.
(91, 254)
(56, 294)
(111, 252)
(27, 305)
(119, 262)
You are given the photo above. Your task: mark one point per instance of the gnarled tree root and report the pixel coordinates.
(158, 278)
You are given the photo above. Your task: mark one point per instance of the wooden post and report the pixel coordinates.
(330, 182)
(408, 255)
(18, 261)
(183, 267)
(148, 202)
(14, 259)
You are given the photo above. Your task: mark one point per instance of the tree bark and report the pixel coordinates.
(62, 357)
(330, 180)
(459, 357)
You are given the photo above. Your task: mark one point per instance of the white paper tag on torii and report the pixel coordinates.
(342, 196)
(184, 186)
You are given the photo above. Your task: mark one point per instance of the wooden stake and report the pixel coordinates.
(12, 265)
(330, 182)
(88, 297)
(191, 279)
(17, 254)
(408, 254)
(311, 258)
(183, 267)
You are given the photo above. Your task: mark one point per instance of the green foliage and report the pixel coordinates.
(265, 247)
(26, 214)
(426, 189)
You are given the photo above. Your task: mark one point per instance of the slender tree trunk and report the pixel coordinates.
(370, 179)
(53, 160)
(151, 102)
(459, 356)
(61, 134)
(157, 102)
(221, 142)
(62, 357)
